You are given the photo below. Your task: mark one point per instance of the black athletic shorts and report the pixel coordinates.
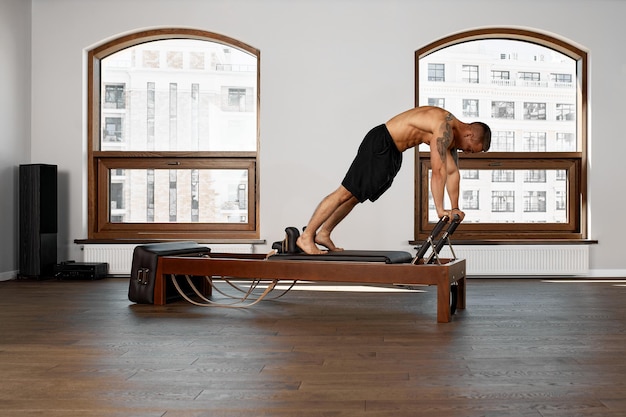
(375, 166)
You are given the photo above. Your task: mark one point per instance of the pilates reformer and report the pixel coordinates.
(287, 263)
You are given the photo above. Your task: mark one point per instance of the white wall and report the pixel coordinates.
(15, 121)
(330, 70)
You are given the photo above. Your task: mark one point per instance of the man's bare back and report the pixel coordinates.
(415, 126)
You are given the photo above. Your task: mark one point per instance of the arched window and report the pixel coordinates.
(531, 89)
(173, 137)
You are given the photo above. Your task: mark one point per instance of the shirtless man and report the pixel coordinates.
(379, 159)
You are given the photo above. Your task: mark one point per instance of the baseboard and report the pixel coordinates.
(593, 274)
(8, 276)
(607, 273)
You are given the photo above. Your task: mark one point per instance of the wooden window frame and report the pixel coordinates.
(575, 163)
(510, 161)
(100, 162)
(165, 230)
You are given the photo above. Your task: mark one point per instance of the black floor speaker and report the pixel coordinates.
(37, 220)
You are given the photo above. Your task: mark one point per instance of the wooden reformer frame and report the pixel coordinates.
(445, 274)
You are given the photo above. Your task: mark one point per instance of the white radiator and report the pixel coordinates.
(488, 260)
(120, 257)
(523, 260)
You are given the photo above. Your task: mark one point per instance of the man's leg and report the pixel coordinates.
(323, 235)
(324, 211)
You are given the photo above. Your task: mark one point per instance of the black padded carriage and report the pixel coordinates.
(388, 257)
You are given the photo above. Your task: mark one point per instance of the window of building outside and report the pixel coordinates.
(531, 90)
(173, 137)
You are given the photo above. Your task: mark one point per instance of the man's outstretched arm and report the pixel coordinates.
(453, 183)
(439, 157)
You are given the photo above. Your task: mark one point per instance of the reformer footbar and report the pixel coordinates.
(430, 239)
(429, 243)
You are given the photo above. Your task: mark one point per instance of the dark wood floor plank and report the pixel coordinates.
(523, 348)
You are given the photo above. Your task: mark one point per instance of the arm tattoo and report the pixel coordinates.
(443, 142)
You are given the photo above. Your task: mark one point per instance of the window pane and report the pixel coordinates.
(505, 92)
(470, 73)
(470, 108)
(534, 111)
(179, 95)
(511, 196)
(436, 72)
(178, 195)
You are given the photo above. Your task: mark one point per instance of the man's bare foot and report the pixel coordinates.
(325, 240)
(308, 246)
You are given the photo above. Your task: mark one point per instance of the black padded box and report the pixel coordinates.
(145, 260)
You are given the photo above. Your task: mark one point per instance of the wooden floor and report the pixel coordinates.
(522, 348)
